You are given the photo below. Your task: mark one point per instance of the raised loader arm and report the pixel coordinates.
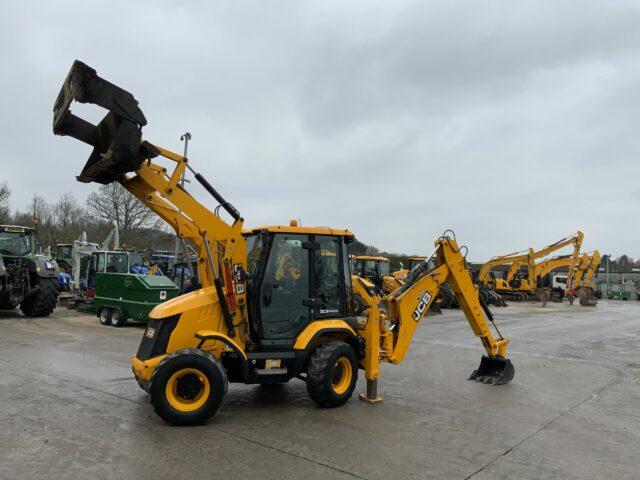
(120, 155)
(576, 241)
(517, 258)
(388, 336)
(594, 265)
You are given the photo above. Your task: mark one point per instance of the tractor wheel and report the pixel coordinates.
(105, 316)
(187, 387)
(332, 374)
(42, 302)
(7, 305)
(117, 318)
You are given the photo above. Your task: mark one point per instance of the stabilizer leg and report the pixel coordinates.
(372, 393)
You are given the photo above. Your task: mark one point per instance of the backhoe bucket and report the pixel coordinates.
(495, 370)
(116, 139)
(587, 297)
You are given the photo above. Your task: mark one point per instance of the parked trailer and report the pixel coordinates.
(126, 296)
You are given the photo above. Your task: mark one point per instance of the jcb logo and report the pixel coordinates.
(423, 303)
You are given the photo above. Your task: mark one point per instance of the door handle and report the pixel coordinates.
(266, 294)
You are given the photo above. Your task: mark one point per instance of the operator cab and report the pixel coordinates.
(296, 275)
(371, 268)
(16, 241)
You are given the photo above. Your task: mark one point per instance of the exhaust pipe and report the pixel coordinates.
(116, 139)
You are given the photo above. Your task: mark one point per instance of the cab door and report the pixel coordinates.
(285, 289)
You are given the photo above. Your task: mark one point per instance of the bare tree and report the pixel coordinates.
(113, 203)
(5, 194)
(68, 216)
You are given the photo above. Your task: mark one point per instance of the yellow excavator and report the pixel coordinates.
(273, 302)
(517, 289)
(535, 275)
(581, 288)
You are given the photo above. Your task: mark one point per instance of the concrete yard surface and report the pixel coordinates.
(71, 408)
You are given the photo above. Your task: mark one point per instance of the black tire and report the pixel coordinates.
(330, 360)
(358, 304)
(43, 301)
(189, 409)
(104, 315)
(117, 318)
(7, 305)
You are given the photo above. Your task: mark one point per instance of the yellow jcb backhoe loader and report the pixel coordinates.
(412, 262)
(377, 270)
(274, 302)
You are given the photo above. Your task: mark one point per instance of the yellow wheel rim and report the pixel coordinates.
(187, 389)
(341, 375)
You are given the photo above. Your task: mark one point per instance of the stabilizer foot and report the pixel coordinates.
(364, 398)
(372, 393)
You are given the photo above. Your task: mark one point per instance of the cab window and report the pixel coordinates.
(254, 249)
(370, 269)
(327, 276)
(384, 268)
(285, 287)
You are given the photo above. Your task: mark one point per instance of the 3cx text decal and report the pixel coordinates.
(423, 302)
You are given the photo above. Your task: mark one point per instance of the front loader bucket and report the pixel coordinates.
(116, 139)
(495, 370)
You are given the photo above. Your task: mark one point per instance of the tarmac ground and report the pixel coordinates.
(70, 407)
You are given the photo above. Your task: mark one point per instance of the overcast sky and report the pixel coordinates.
(512, 123)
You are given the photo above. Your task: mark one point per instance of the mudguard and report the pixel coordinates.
(42, 267)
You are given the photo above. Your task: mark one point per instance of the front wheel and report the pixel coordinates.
(332, 374)
(42, 301)
(187, 387)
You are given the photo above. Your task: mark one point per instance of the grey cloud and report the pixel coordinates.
(512, 123)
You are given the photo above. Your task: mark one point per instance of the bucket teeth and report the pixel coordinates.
(494, 371)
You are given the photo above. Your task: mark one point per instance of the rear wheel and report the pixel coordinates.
(105, 316)
(117, 318)
(7, 305)
(42, 302)
(332, 374)
(187, 387)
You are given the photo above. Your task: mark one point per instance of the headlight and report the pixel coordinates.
(49, 266)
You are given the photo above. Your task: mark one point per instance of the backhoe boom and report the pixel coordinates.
(408, 305)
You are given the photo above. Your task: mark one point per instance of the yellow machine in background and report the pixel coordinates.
(518, 289)
(274, 302)
(544, 266)
(412, 262)
(377, 270)
(523, 277)
(586, 269)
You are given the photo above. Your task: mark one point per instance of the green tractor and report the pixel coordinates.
(26, 278)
